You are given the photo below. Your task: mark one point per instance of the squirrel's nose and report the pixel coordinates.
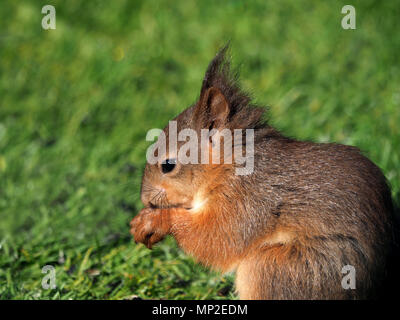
(145, 199)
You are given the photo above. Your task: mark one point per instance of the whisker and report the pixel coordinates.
(156, 196)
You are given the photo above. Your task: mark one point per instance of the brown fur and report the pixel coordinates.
(287, 229)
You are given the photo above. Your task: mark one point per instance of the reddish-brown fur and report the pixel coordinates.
(287, 229)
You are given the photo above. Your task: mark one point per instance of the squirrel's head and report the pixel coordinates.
(186, 169)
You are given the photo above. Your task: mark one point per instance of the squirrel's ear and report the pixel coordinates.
(216, 107)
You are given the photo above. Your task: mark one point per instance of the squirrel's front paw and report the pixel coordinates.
(149, 226)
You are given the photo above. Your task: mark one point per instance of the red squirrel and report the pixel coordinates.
(287, 229)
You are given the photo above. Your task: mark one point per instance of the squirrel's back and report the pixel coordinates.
(325, 202)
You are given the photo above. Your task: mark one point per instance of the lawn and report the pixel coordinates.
(76, 104)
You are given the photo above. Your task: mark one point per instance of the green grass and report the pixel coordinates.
(76, 103)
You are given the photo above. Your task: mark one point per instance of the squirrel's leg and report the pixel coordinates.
(291, 272)
(150, 226)
(199, 235)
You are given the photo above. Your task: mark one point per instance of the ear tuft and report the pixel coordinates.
(218, 107)
(222, 103)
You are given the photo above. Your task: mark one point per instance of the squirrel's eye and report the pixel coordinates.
(168, 165)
